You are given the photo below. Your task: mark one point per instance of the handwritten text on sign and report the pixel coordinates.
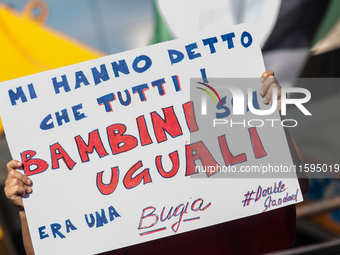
(107, 144)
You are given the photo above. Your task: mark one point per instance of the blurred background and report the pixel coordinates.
(299, 39)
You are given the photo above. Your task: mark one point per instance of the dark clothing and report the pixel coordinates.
(258, 234)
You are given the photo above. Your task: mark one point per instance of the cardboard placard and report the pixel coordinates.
(106, 144)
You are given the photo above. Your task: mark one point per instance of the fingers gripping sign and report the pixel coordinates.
(269, 83)
(17, 185)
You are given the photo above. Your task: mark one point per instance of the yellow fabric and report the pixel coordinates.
(28, 47)
(1, 128)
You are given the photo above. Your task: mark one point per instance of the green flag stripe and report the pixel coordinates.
(161, 32)
(330, 19)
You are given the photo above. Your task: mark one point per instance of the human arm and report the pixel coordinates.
(269, 82)
(18, 186)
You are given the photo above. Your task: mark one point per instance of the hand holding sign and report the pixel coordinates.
(270, 82)
(17, 185)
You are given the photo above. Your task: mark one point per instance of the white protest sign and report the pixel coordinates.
(106, 144)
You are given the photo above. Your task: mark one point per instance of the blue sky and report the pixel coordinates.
(109, 25)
